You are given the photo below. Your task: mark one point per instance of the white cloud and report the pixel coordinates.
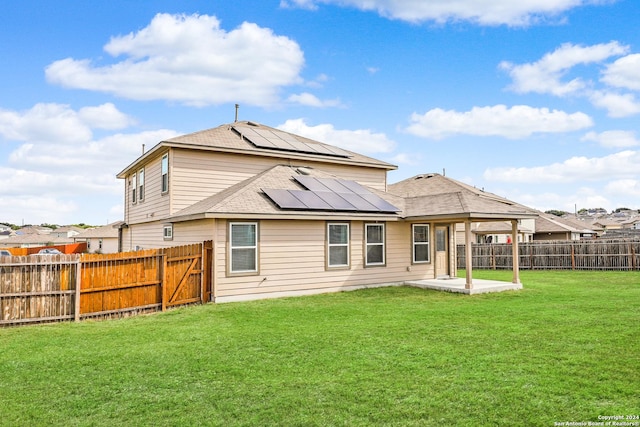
(105, 116)
(495, 12)
(411, 159)
(617, 105)
(53, 173)
(624, 73)
(623, 164)
(190, 59)
(625, 187)
(544, 75)
(45, 122)
(360, 141)
(613, 138)
(310, 100)
(519, 121)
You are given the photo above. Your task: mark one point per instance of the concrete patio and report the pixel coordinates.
(457, 284)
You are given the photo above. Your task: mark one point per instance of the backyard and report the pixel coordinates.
(564, 349)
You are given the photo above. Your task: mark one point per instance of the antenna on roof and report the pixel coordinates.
(237, 107)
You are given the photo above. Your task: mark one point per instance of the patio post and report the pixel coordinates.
(515, 251)
(468, 254)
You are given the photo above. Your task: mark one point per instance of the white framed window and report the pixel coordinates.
(374, 244)
(167, 231)
(141, 184)
(338, 244)
(134, 185)
(243, 247)
(421, 244)
(164, 172)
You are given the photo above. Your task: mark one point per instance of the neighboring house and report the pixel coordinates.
(33, 240)
(100, 239)
(605, 224)
(632, 223)
(66, 231)
(552, 227)
(289, 216)
(497, 232)
(33, 229)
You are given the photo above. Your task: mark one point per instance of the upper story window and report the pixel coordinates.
(134, 185)
(374, 244)
(141, 184)
(164, 171)
(337, 245)
(421, 243)
(243, 247)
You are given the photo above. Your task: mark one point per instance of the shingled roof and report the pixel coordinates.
(226, 139)
(247, 198)
(432, 196)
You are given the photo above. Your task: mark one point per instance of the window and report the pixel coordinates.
(374, 244)
(167, 232)
(420, 243)
(134, 184)
(243, 247)
(165, 173)
(100, 244)
(338, 245)
(141, 185)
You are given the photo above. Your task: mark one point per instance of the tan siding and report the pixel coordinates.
(196, 175)
(292, 258)
(155, 205)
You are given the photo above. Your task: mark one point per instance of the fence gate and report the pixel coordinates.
(183, 275)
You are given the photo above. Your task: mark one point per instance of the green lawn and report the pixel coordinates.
(566, 348)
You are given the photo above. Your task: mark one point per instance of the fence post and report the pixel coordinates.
(573, 256)
(76, 309)
(163, 281)
(633, 256)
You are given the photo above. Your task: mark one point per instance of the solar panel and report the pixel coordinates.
(284, 199)
(337, 203)
(380, 203)
(311, 200)
(330, 195)
(360, 203)
(311, 183)
(278, 140)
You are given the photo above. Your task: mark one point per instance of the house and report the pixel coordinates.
(31, 240)
(497, 232)
(288, 215)
(66, 231)
(552, 227)
(102, 240)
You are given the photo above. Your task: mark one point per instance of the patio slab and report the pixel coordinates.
(457, 284)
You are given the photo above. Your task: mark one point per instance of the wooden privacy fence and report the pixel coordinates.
(557, 255)
(74, 287)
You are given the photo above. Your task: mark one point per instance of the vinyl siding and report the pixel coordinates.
(196, 175)
(292, 259)
(155, 205)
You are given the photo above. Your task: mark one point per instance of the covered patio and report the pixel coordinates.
(446, 202)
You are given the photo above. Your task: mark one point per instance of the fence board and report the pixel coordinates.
(37, 288)
(557, 255)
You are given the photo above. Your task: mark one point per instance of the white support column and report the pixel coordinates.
(468, 254)
(515, 251)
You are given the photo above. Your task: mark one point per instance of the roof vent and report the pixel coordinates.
(253, 124)
(304, 170)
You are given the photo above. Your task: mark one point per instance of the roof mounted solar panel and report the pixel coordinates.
(329, 194)
(279, 140)
(311, 200)
(284, 199)
(335, 201)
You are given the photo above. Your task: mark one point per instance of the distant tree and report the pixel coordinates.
(556, 212)
(621, 209)
(583, 211)
(51, 226)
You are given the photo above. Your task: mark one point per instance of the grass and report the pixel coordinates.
(566, 348)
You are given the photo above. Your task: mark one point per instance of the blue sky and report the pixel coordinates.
(536, 101)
